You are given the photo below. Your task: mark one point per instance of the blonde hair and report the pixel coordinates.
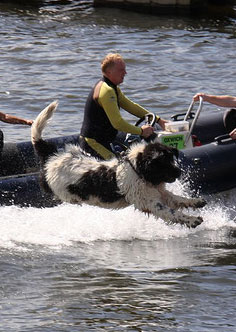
(110, 60)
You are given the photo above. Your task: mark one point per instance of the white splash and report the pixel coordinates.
(66, 224)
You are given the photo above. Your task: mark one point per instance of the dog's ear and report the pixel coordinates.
(147, 161)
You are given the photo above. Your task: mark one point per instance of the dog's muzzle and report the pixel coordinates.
(175, 173)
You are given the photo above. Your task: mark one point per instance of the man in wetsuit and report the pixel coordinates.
(102, 118)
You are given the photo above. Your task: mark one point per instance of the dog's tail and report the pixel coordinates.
(41, 121)
(43, 148)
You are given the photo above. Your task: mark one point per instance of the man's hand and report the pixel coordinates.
(29, 122)
(162, 123)
(198, 95)
(147, 131)
(233, 134)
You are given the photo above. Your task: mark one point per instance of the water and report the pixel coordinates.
(87, 269)
(73, 268)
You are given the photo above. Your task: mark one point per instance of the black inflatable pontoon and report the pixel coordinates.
(19, 169)
(211, 167)
(208, 169)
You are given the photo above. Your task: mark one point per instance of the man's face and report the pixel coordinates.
(117, 73)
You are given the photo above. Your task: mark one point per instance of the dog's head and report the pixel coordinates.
(155, 163)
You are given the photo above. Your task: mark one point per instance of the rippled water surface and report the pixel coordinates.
(73, 268)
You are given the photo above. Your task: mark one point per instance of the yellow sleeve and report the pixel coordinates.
(108, 100)
(132, 107)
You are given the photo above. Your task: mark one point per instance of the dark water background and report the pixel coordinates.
(87, 269)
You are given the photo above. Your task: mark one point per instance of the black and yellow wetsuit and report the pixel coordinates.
(102, 118)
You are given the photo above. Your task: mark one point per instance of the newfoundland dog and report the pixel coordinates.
(138, 178)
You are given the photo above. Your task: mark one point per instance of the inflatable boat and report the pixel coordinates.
(210, 167)
(19, 174)
(207, 156)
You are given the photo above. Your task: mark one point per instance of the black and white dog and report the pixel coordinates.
(137, 179)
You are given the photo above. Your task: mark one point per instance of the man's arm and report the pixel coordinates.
(14, 119)
(108, 100)
(137, 109)
(222, 101)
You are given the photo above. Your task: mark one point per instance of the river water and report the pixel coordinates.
(72, 268)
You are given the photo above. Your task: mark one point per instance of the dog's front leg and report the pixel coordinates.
(176, 201)
(173, 216)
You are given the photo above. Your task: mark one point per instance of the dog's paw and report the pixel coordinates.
(196, 221)
(191, 221)
(199, 203)
(194, 203)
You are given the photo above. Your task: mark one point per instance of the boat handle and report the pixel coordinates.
(222, 139)
(149, 117)
(176, 116)
(195, 118)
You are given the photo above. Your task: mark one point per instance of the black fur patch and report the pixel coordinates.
(100, 183)
(44, 150)
(156, 164)
(43, 183)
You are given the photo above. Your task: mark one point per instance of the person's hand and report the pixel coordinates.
(29, 122)
(162, 123)
(147, 131)
(198, 95)
(233, 134)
